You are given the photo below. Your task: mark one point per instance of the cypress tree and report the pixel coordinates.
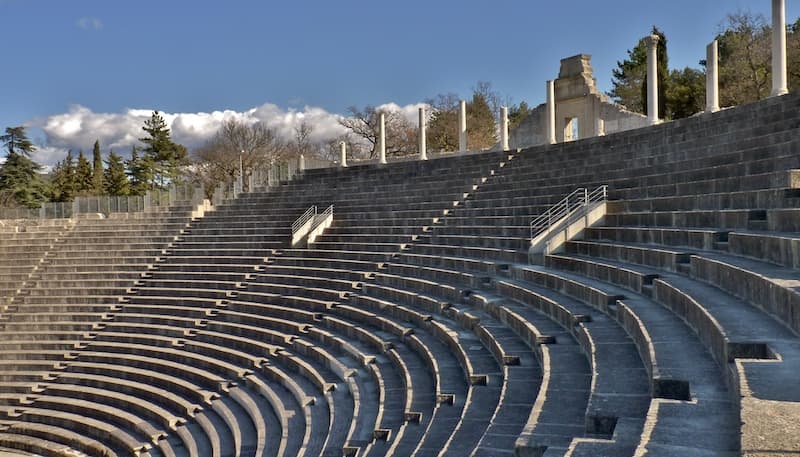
(97, 169)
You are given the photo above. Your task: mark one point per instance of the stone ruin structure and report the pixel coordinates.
(579, 106)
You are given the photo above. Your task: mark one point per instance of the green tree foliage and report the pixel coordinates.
(517, 114)
(793, 55)
(115, 179)
(165, 156)
(140, 172)
(84, 178)
(629, 79)
(97, 169)
(62, 180)
(442, 133)
(16, 140)
(686, 93)
(21, 184)
(662, 75)
(745, 59)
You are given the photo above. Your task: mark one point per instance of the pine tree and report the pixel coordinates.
(20, 181)
(16, 141)
(165, 156)
(62, 184)
(97, 169)
(115, 179)
(84, 183)
(140, 171)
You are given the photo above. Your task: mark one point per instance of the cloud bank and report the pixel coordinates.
(79, 127)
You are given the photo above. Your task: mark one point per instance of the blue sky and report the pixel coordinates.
(109, 58)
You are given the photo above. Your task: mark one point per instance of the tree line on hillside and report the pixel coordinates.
(744, 54)
(159, 162)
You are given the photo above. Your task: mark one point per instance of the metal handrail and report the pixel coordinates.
(302, 220)
(328, 211)
(579, 199)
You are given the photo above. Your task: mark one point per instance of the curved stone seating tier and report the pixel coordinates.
(413, 325)
(730, 329)
(121, 440)
(253, 428)
(659, 335)
(227, 305)
(39, 439)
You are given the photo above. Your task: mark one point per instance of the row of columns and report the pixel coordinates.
(779, 74)
(779, 65)
(779, 87)
(423, 152)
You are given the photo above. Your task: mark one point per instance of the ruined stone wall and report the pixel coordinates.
(577, 100)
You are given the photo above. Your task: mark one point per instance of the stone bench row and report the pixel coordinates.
(713, 315)
(734, 160)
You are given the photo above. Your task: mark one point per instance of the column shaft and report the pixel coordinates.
(423, 147)
(382, 140)
(779, 79)
(551, 112)
(712, 77)
(462, 126)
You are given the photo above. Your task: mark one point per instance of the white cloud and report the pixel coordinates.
(89, 23)
(79, 127)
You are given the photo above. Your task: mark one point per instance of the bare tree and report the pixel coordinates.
(493, 98)
(745, 53)
(331, 150)
(793, 45)
(301, 142)
(253, 145)
(481, 126)
(400, 134)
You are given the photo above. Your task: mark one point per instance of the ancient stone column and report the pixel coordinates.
(462, 126)
(599, 127)
(551, 112)
(712, 77)
(652, 78)
(779, 84)
(343, 151)
(423, 147)
(382, 140)
(504, 128)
